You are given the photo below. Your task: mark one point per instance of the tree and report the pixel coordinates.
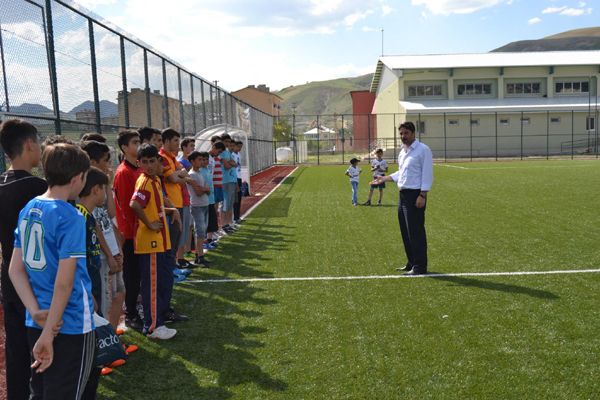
(282, 130)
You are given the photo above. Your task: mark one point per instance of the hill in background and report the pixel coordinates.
(576, 39)
(323, 97)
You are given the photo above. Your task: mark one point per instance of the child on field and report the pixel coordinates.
(48, 271)
(93, 195)
(200, 200)
(151, 243)
(353, 173)
(378, 167)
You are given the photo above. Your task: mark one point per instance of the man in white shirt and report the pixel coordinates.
(414, 179)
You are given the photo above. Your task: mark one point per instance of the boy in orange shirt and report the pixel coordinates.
(151, 243)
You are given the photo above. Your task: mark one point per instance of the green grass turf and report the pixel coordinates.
(517, 337)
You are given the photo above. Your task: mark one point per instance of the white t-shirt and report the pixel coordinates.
(353, 172)
(380, 167)
(103, 220)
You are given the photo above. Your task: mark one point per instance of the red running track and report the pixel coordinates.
(261, 185)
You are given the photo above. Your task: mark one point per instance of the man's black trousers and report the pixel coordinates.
(412, 227)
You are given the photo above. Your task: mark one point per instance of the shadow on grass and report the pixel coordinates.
(502, 287)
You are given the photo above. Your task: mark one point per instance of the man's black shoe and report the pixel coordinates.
(407, 267)
(135, 323)
(202, 262)
(415, 272)
(172, 316)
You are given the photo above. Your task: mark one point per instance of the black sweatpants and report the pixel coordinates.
(412, 227)
(66, 378)
(131, 277)
(237, 205)
(18, 369)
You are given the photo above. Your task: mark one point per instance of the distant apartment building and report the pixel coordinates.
(260, 97)
(477, 104)
(138, 114)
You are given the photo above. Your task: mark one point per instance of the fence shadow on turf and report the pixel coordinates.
(502, 287)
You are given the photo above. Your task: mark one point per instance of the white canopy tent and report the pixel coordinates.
(316, 131)
(203, 143)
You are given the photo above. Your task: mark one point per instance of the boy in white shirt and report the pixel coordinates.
(353, 173)
(378, 167)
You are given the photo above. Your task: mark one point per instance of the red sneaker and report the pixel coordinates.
(105, 371)
(117, 363)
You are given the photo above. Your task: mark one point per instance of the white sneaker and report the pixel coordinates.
(221, 233)
(163, 333)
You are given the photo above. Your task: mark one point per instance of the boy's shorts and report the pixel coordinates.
(218, 194)
(200, 216)
(380, 186)
(213, 223)
(229, 192)
(105, 290)
(186, 222)
(117, 284)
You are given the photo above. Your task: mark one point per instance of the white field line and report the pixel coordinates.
(453, 166)
(399, 276)
(267, 195)
(518, 167)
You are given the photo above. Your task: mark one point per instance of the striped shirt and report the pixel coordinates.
(218, 172)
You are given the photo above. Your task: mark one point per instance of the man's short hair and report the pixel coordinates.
(13, 135)
(62, 162)
(219, 146)
(147, 150)
(95, 150)
(125, 137)
(185, 142)
(408, 125)
(225, 137)
(169, 133)
(93, 136)
(378, 151)
(147, 132)
(215, 139)
(239, 143)
(95, 177)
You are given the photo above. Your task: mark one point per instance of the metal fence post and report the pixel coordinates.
(193, 104)
(318, 141)
(395, 137)
(471, 136)
(496, 134)
(124, 82)
(369, 137)
(445, 136)
(521, 135)
(94, 75)
(547, 134)
(7, 108)
(52, 66)
(166, 121)
(181, 119)
(147, 82)
(572, 133)
(343, 141)
(202, 83)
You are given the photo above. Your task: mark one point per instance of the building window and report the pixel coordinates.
(474, 122)
(474, 89)
(426, 90)
(453, 122)
(524, 89)
(504, 121)
(555, 120)
(590, 123)
(572, 87)
(421, 127)
(525, 121)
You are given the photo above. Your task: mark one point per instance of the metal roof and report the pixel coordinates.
(501, 105)
(479, 60)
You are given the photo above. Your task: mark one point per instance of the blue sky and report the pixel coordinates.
(288, 42)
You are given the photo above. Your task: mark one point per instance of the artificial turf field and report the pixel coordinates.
(440, 337)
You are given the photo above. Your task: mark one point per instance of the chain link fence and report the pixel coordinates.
(69, 72)
(335, 139)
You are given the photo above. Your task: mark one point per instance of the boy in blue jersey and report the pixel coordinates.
(229, 183)
(48, 271)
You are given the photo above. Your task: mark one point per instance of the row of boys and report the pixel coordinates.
(70, 261)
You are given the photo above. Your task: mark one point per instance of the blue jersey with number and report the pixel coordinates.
(51, 230)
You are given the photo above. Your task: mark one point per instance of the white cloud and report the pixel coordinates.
(568, 11)
(92, 4)
(386, 10)
(369, 29)
(447, 7)
(28, 31)
(553, 10)
(534, 21)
